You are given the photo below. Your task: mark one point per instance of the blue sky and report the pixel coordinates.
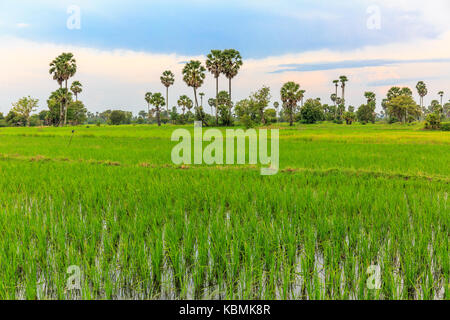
(302, 39)
(194, 27)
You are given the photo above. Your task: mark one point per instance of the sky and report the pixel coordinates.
(122, 47)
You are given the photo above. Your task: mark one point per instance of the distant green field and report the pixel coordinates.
(139, 227)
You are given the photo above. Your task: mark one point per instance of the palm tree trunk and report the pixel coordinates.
(343, 95)
(148, 114)
(158, 117)
(65, 106)
(195, 96)
(167, 99)
(217, 95)
(291, 117)
(229, 87)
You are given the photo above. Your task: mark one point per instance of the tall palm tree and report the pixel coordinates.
(422, 91)
(63, 68)
(76, 89)
(441, 93)
(214, 64)
(194, 75)
(148, 99)
(302, 92)
(336, 84)
(290, 95)
(232, 62)
(343, 80)
(276, 105)
(201, 94)
(157, 101)
(167, 79)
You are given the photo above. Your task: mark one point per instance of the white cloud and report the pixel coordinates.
(22, 25)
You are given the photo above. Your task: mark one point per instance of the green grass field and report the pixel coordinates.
(140, 227)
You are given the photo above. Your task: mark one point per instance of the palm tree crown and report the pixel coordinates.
(231, 62)
(291, 95)
(194, 75)
(76, 88)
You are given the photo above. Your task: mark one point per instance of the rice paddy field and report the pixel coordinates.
(139, 227)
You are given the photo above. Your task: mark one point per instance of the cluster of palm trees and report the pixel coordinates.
(62, 68)
(423, 91)
(334, 97)
(219, 62)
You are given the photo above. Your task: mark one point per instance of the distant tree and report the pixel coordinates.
(24, 107)
(158, 101)
(343, 80)
(336, 85)
(185, 102)
(201, 94)
(441, 94)
(212, 104)
(76, 89)
(366, 112)
(231, 63)
(148, 99)
(63, 68)
(261, 100)
(194, 75)
(117, 117)
(370, 96)
(224, 105)
(349, 117)
(422, 91)
(312, 111)
(167, 79)
(403, 105)
(270, 116)
(76, 112)
(215, 65)
(290, 95)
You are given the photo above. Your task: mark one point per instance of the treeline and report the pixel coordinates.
(64, 107)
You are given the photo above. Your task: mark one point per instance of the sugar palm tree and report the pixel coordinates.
(422, 91)
(232, 62)
(63, 68)
(370, 96)
(157, 101)
(333, 98)
(201, 94)
(214, 64)
(290, 95)
(76, 89)
(148, 99)
(167, 79)
(302, 92)
(185, 102)
(194, 75)
(441, 93)
(336, 84)
(343, 80)
(212, 103)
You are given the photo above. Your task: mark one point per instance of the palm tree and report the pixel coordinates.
(184, 102)
(302, 92)
(441, 93)
(422, 91)
(336, 84)
(343, 80)
(194, 75)
(201, 94)
(370, 96)
(76, 89)
(290, 95)
(276, 105)
(333, 98)
(232, 62)
(63, 68)
(148, 99)
(157, 101)
(167, 79)
(214, 64)
(212, 103)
